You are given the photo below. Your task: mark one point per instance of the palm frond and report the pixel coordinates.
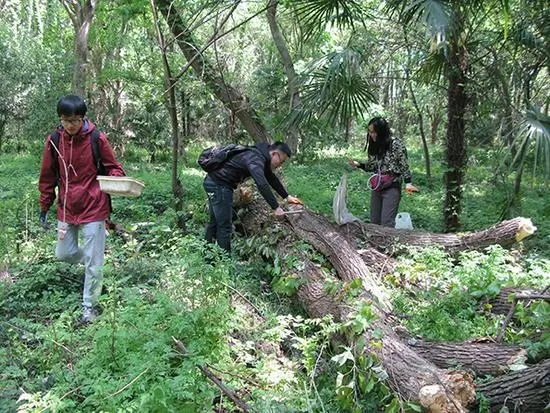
(533, 134)
(315, 15)
(334, 88)
(435, 14)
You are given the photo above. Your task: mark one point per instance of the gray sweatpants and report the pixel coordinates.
(91, 254)
(384, 206)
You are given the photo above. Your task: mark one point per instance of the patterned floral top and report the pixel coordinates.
(394, 162)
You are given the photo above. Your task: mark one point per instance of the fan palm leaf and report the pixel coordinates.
(335, 88)
(315, 15)
(533, 135)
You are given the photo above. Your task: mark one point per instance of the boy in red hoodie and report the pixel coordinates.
(70, 166)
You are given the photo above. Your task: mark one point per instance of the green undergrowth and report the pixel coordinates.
(239, 315)
(443, 298)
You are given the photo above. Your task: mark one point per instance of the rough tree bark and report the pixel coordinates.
(504, 233)
(411, 372)
(481, 358)
(457, 63)
(502, 303)
(526, 390)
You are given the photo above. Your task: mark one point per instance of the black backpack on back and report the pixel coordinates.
(214, 157)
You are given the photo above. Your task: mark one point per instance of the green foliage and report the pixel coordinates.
(450, 301)
(132, 359)
(336, 88)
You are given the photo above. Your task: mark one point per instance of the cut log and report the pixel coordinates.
(481, 358)
(527, 390)
(505, 234)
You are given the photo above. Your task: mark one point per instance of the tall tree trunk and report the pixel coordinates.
(229, 96)
(455, 140)
(81, 16)
(418, 112)
(293, 133)
(169, 81)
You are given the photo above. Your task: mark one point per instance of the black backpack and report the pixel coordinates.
(214, 157)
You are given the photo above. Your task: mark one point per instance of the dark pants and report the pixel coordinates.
(384, 206)
(220, 207)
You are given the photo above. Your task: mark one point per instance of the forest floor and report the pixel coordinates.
(236, 315)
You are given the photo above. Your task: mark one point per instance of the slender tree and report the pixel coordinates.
(81, 14)
(293, 133)
(170, 84)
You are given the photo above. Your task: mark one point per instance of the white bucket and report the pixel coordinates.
(403, 221)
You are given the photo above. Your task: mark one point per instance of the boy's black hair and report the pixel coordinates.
(281, 147)
(71, 105)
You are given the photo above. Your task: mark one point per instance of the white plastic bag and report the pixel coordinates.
(341, 214)
(403, 221)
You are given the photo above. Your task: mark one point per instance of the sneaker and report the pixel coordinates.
(89, 314)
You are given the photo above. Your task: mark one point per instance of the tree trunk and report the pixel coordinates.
(229, 96)
(170, 84)
(418, 111)
(481, 358)
(526, 390)
(81, 16)
(412, 373)
(455, 142)
(505, 234)
(412, 376)
(502, 303)
(293, 134)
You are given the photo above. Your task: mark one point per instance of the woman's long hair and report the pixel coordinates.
(383, 141)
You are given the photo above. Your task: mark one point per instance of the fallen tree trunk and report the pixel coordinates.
(526, 390)
(410, 375)
(502, 303)
(481, 358)
(504, 233)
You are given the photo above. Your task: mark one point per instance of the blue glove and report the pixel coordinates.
(44, 219)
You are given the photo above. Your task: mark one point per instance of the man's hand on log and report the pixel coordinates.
(294, 200)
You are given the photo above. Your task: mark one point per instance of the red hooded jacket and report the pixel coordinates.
(79, 198)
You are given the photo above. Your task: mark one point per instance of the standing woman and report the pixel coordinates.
(387, 159)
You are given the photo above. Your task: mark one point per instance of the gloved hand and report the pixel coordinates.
(293, 200)
(43, 219)
(410, 188)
